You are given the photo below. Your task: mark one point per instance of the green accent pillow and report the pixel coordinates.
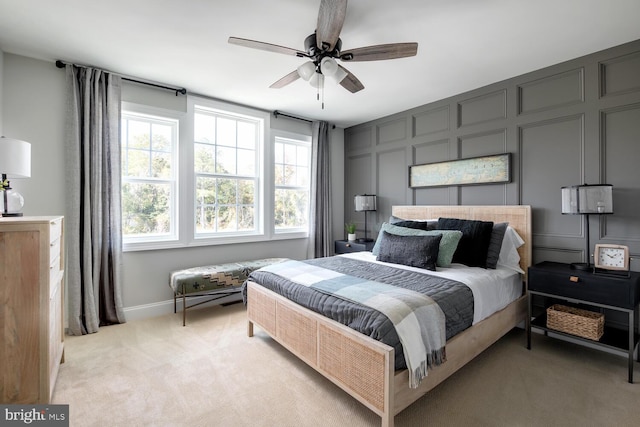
(448, 244)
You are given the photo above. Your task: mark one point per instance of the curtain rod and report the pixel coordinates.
(182, 91)
(277, 113)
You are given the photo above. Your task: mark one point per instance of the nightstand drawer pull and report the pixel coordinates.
(348, 245)
(574, 279)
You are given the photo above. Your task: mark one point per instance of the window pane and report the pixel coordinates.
(247, 135)
(246, 162)
(205, 219)
(246, 218)
(139, 135)
(279, 152)
(226, 161)
(227, 192)
(226, 134)
(146, 208)
(303, 177)
(204, 128)
(161, 165)
(246, 192)
(290, 154)
(303, 156)
(291, 208)
(137, 163)
(205, 191)
(226, 219)
(161, 137)
(204, 158)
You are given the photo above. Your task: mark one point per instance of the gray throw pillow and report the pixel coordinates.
(495, 244)
(414, 251)
(448, 244)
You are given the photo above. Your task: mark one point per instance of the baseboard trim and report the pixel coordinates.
(145, 311)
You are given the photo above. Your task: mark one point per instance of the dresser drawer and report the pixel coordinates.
(559, 279)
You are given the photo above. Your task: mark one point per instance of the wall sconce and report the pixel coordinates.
(365, 203)
(587, 200)
(15, 162)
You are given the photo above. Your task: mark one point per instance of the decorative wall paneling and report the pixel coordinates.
(571, 123)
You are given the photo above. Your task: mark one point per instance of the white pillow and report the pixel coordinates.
(509, 257)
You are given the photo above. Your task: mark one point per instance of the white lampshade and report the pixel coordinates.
(365, 202)
(329, 66)
(587, 199)
(317, 80)
(15, 158)
(306, 70)
(339, 75)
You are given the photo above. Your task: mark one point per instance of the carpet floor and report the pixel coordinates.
(154, 372)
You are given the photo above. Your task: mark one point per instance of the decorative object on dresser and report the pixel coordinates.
(348, 246)
(365, 203)
(587, 200)
(591, 294)
(15, 162)
(32, 335)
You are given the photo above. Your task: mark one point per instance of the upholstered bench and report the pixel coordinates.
(215, 281)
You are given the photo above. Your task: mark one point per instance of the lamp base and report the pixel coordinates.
(584, 266)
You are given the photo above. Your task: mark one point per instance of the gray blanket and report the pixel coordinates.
(454, 298)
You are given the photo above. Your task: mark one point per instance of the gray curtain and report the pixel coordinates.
(92, 223)
(321, 242)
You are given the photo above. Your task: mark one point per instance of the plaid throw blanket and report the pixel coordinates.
(419, 321)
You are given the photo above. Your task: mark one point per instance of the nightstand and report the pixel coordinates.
(345, 246)
(557, 282)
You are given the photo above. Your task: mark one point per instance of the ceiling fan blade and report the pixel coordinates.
(330, 19)
(265, 46)
(351, 82)
(380, 52)
(289, 78)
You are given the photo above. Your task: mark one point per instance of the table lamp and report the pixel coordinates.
(15, 162)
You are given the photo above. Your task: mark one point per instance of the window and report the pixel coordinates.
(149, 170)
(227, 184)
(226, 153)
(292, 171)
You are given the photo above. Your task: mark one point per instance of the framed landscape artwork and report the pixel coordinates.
(494, 169)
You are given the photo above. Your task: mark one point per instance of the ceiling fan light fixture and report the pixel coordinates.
(317, 80)
(307, 70)
(329, 66)
(339, 75)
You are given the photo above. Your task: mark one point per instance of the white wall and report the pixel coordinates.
(33, 105)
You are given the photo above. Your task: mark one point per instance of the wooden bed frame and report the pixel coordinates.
(364, 367)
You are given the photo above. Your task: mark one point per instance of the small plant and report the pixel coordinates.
(350, 227)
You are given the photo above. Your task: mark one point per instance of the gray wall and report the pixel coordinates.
(32, 94)
(572, 123)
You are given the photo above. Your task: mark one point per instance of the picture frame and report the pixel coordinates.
(492, 169)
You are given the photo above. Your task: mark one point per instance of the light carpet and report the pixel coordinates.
(154, 372)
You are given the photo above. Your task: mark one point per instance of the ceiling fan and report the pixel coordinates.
(324, 46)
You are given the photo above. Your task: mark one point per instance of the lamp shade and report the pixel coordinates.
(15, 158)
(306, 70)
(587, 199)
(365, 202)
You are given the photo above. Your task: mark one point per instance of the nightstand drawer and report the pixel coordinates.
(559, 279)
(345, 247)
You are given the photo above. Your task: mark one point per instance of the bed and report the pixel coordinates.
(365, 367)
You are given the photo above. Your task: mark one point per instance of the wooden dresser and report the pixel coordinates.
(31, 309)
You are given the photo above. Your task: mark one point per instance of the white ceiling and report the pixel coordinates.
(463, 44)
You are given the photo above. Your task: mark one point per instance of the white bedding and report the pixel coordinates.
(492, 289)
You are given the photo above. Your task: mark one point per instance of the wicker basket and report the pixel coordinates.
(575, 321)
